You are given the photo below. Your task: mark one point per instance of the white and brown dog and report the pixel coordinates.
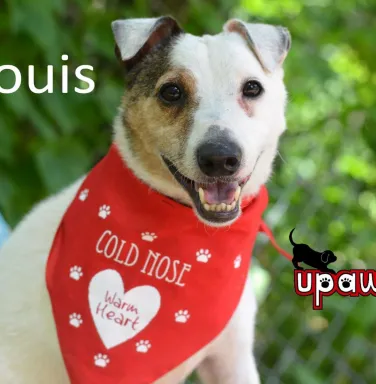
(200, 123)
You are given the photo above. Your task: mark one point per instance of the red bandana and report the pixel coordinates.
(137, 283)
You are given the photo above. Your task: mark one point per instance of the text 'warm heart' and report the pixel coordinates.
(120, 315)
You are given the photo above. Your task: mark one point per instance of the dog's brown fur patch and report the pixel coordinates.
(152, 127)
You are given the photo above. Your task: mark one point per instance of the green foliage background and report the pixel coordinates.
(324, 182)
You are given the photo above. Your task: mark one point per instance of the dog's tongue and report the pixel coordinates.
(220, 192)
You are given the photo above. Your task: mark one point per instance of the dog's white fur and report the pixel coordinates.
(29, 351)
(220, 65)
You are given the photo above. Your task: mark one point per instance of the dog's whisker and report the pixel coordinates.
(279, 154)
(258, 158)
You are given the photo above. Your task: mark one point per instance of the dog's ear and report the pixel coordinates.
(270, 44)
(325, 257)
(136, 37)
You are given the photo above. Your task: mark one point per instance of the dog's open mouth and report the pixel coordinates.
(217, 202)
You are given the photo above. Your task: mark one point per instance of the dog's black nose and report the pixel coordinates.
(219, 158)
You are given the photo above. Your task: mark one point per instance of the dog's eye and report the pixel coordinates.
(252, 89)
(170, 93)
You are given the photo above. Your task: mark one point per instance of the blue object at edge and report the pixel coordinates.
(4, 230)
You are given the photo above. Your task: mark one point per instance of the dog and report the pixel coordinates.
(200, 123)
(304, 253)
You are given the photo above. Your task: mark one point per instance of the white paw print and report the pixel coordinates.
(203, 255)
(143, 346)
(75, 320)
(182, 316)
(237, 261)
(148, 236)
(76, 273)
(104, 211)
(84, 194)
(101, 360)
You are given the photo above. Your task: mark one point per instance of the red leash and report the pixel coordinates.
(264, 228)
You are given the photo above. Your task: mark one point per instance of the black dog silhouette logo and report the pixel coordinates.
(305, 254)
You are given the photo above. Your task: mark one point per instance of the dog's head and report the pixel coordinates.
(201, 116)
(328, 257)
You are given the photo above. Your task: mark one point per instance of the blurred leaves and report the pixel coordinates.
(66, 153)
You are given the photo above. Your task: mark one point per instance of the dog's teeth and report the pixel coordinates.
(221, 207)
(237, 193)
(202, 195)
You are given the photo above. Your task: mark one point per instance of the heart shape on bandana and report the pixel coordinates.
(118, 315)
